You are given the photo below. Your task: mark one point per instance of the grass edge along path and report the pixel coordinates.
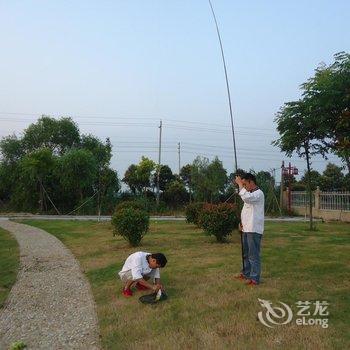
(9, 264)
(207, 308)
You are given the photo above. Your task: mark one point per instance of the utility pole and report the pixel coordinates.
(159, 159)
(282, 185)
(179, 152)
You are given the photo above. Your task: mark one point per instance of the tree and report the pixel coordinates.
(166, 176)
(145, 171)
(175, 194)
(130, 178)
(217, 179)
(138, 177)
(107, 179)
(53, 155)
(108, 187)
(11, 149)
(186, 177)
(57, 135)
(266, 183)
(36, 168)
(77, 170)
(298, 134)
(208, 179)
(199, 178)
(328, 95)
(332, 178)
(101, 151)
(314, 178)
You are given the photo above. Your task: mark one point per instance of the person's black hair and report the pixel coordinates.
(249, 177)
(160, 258)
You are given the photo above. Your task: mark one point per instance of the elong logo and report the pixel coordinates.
(273, 316)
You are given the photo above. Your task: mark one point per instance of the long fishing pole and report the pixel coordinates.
(227, 86)
(231, 114)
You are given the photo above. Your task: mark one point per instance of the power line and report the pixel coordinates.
(154, 118)
(151, 125)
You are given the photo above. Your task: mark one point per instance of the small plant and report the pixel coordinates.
(18, 345)
(132, 224)
(219, 220)
(193, 211)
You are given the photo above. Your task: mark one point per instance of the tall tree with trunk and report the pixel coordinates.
(298, 134)
(328, 96)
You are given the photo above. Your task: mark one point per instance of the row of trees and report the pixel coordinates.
(202, 180)
(52, 167)
(331, 179)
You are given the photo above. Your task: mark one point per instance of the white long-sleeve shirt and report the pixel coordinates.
(138, 264)
(252, 215)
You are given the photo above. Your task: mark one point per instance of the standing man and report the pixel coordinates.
(252, 225)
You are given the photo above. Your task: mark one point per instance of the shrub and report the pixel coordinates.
(219, 220)
(132, 224)
(129, 204)
(193, 211)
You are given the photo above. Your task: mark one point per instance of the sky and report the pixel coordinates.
(119, 67)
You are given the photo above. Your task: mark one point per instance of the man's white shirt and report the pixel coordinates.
(252, 215)
(138, 265)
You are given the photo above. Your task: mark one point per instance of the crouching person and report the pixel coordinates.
(142, 271)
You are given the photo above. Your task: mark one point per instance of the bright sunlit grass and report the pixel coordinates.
(9, 263)
(207, 308)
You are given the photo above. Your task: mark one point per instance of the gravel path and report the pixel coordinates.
(51, 305)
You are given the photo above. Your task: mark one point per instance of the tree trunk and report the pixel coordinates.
(347, 161)
(309, 185)
(41, 195)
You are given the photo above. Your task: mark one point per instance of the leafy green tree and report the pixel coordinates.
(106, 182)
(11, 149)
(145, 171)
(57, 135)
(208, 179)
(138, 177)
(175, 194)
(52, 162)
(217, 179)
(77, 170)
(165, 177)
(186, 177)
(108, 187)
(328, 97)
(298, 134)
(101, 151)
(199, 170)
(315, 179)
(332, 178)
(35, 170)
(130, 178)
(266, 183)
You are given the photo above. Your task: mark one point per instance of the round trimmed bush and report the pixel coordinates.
(129, 204)
(193, 211)
(132, 224)
(219, 220)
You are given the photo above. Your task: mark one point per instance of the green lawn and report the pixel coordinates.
(207, 308)
(9, 262)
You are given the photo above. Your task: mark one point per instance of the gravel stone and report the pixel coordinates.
(51, 305)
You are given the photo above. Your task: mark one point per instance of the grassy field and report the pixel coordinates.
(9, 262)
(207, 307)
